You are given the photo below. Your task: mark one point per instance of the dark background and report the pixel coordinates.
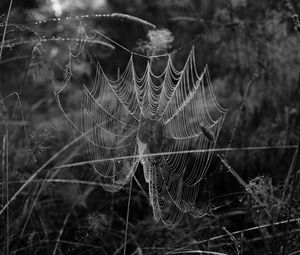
(67, 211)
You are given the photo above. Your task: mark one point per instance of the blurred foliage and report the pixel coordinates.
(236, 38)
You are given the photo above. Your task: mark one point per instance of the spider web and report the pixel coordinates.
(150, 119)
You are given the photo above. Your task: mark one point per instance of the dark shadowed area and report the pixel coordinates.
(90, 89)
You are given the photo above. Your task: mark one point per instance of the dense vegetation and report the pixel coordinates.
(252, 50)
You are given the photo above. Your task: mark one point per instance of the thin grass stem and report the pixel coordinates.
(176, 152)
(127, 218)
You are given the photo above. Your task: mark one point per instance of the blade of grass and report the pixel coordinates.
(6, 142)
(63, 227)
(238, 232)
(5, 170)
(176, 152)
(289, 174)
(7, 191)
(234, 173)
(197, 252)
(127, 217)
(5, 27)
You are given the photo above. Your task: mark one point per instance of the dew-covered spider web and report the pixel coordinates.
(168, 122)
